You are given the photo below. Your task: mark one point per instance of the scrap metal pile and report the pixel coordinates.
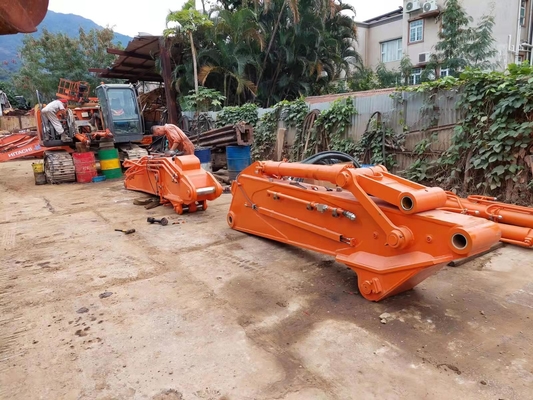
(240, 134)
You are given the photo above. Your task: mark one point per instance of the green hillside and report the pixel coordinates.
(55, 23)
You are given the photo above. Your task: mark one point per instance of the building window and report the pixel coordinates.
(523, 14)
(444, 72)
(391, 50)
(416, 31)
(416, 76)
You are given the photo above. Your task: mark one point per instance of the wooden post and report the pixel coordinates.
(166, 73)
(280, 141)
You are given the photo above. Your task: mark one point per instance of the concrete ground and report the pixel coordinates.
(199, 311)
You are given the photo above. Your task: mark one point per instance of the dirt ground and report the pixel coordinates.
(199, 311)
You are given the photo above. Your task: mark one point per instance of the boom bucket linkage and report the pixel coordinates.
(515, 222)
(387, 229)
(179, 181)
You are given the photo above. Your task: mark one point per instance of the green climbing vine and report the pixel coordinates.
(379, 144)
(421, 169)
(290, 112)
(330, 130)
(265, 135)
(231, 115)
(491, 147)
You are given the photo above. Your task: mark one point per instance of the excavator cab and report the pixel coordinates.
(120, 111)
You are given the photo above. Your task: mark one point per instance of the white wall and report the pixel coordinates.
(382, 33)
(506, 25)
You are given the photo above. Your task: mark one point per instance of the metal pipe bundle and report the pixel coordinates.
(240, 134)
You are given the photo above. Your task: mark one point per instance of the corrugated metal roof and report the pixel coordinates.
(137, 62)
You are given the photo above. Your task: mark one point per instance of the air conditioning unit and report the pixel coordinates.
(424, 57)
(430, 6)
(412, 6)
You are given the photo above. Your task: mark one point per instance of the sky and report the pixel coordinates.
(149, 16)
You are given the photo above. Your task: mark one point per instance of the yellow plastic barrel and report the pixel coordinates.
(38, 173)
(37, 167)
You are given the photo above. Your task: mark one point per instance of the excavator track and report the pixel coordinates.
(136, 153)
(59, 167)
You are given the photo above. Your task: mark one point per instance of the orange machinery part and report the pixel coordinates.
(387, 229)
(21, 16)
(18, 145)
(515, 222)
(70, 90)
(179, 181)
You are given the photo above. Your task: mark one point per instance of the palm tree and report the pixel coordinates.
(271, 50)
(238, 40)
(189, 20)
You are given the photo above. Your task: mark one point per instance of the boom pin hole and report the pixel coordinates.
(459, 241)
(407, 203)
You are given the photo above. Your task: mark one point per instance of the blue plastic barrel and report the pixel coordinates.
(238, 158)
(204, 155)
(367, 165)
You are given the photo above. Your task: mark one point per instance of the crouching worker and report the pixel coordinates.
(179, 143)
(49, 113)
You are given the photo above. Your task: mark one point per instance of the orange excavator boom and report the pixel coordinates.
(18, 145)
(387, 229)
(179, 181)
(515, 222)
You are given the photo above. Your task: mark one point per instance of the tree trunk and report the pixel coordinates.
(226, 101)
(271, 42)
(274, 80)
(203, 7)
(194, 63)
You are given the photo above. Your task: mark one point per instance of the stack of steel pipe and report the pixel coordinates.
(240, 134)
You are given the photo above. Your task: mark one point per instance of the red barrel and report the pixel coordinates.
(85, 166)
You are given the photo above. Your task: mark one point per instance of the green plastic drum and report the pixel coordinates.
(110, 163)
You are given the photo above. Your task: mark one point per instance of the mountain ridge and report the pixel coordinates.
(54, 22)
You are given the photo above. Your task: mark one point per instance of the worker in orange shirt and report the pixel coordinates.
(177, 140)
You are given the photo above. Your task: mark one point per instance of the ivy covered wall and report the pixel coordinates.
(472, 134)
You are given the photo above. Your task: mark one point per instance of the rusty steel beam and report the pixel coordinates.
(139, 66)
(21, 16)
(128, 54)
(106, 73)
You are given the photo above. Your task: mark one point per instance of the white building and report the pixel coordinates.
(413, 29)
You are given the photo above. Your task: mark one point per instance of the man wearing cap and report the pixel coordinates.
(49, 113)
(178, 141)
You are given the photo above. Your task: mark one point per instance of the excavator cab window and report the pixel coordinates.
(124, 112)
(120, 109)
